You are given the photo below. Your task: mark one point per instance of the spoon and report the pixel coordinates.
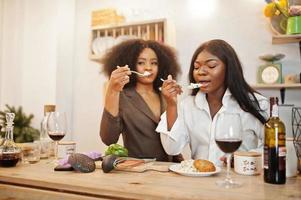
(145, 74)
(191, 86)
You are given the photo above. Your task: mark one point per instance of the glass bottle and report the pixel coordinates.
(46, 142)
(10, 154)
(274, 146)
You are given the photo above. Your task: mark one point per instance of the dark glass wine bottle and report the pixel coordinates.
(274, 146)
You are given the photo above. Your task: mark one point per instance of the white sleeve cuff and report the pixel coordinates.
(174, 134)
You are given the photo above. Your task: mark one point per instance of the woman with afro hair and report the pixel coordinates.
(133, 103)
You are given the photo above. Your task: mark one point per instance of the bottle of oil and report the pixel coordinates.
(274, 146)
(46, 142)
(10, 154)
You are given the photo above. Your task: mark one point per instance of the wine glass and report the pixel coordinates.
(228, 137)
(57, 128)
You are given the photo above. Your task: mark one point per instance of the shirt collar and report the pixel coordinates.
(228, 101)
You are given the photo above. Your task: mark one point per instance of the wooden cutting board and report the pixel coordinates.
(141, 166)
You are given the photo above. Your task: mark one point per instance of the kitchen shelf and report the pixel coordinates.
(276, 86)
(147, 30)
(282, 87)
(284, 39)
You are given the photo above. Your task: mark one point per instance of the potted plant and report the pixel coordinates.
(23, 131)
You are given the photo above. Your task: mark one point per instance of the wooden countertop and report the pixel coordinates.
(34, 181)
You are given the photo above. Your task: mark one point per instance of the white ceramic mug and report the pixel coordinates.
(247, 163)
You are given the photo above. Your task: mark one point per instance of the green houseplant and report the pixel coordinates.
(23, 131)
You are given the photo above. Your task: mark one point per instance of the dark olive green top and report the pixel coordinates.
(137, 124)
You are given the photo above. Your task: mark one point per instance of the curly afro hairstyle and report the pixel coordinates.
(127, 52)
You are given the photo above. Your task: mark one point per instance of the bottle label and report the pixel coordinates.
(282, 152)
(266, 157)
(281, 136)
(281, 158)
(275, 111)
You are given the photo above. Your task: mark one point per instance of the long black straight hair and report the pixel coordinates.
(234, 79)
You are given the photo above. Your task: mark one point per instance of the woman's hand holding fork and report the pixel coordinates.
(119, 78)
(170, 90)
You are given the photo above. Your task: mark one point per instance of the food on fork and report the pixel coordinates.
(191, 86)
(194, 85)
(204, 165)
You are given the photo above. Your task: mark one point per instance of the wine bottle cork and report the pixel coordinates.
(49, 108)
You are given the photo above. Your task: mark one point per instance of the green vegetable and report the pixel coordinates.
(117, 150)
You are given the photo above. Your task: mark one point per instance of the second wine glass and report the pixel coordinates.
(57, 128)
(228, 137)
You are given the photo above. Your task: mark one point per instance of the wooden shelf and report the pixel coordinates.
(284, 39)
(282, 87)
(95, 57)
(123, 25)
(276, 86)
(147, 30)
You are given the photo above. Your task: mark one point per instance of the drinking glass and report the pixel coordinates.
(228, 137)
(57, 128)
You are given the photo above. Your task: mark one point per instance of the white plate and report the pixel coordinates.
(101, 44)
(177, 168)
(123, 38)
(95, 45)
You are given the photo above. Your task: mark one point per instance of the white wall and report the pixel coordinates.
(37, 55)
(11, 54)
(46, 45)
(1, 42)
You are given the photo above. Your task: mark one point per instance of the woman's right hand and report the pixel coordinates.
(170, 90)
(119, 77)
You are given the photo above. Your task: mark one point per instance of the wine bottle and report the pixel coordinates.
(274, 146)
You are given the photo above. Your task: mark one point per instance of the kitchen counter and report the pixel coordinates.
(40, 181)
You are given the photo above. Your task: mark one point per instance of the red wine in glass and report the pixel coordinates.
(228, 137)
(56, 136)
(57, 127)
(228, 145)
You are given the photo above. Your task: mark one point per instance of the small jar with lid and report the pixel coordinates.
(10, 153)
(247, 163)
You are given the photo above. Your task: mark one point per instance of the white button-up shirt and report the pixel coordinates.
(195, 127)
